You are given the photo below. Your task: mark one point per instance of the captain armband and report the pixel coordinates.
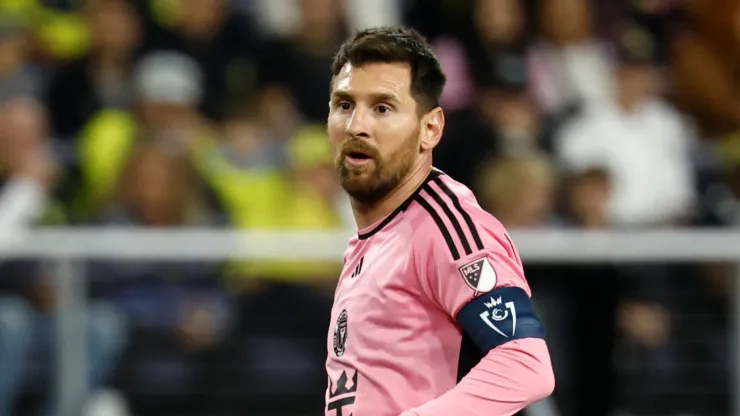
(500, 316)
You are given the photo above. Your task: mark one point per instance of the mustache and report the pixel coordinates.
(358, 146)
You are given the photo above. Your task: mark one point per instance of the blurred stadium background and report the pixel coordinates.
(606, 133)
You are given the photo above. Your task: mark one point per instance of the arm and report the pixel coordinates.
(21, 202)
(27, 161)
(508, 379)
(487, 294)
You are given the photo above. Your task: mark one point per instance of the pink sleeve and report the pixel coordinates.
(453, 283)
(507, 380)
(476, 289)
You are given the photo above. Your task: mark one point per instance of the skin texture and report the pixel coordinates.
(372, 112)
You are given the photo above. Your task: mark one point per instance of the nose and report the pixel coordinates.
(357, 124)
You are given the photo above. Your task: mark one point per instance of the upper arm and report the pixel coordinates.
(483, 288)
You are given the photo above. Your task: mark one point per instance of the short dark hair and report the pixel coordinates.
(396, 45)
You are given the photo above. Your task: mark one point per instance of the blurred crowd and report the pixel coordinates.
(210, 113)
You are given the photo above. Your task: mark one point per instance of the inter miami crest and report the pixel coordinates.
(479, 275)
(340, 334)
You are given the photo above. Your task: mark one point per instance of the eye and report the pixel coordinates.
(344, 105)
(382, 109)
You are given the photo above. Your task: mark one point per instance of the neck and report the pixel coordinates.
(367, 215)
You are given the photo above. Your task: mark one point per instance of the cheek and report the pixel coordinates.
(394, 151)
(335, 132)
(335, 142)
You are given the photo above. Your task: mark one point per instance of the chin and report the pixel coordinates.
(358, 184)
(356, 178)
(363, 190)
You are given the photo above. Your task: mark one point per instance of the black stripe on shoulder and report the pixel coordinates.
(456, 203)
(441, 225)
(453, 220)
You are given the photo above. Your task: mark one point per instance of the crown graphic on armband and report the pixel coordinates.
(494, 302)
(342, 385)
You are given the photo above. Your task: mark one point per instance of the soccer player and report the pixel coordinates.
(432, 314)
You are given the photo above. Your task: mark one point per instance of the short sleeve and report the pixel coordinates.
(484, 290)
(453, 283)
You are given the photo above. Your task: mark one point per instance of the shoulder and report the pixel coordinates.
(449, 223)
(457, 246)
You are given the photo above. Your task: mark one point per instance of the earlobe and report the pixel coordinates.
(432, 127)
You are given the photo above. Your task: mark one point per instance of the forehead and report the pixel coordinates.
(375, 78)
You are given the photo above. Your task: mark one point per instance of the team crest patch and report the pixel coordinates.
(340, 334)
(479, 275)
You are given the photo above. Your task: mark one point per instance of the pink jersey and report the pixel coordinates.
(424, 294)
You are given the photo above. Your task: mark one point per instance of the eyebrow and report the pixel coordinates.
(381, 97)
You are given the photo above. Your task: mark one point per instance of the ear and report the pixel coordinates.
(432, 126)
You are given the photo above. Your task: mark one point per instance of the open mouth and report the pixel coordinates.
(358, 156)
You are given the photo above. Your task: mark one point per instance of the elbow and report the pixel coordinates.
(521, 371)
(546, 381)
(542, 375)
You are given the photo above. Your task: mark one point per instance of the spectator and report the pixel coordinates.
(281, 17)
(501, 40)
(587, 197)
(306, 197)
(488, 41)
(520, 190)
(29, 169)
(242, 165)
(103, 77)
(167, 90)
(225, 45)
(311, 200)
(320, 201)
(157, 188)
(16, 74)
(635, 321)
(29, 343)
(311, 47)
(720, 203)
(168, 87)
(178, 313)
(26, 321)
(569, 66)
(704, 67)
(502, 121)
(637, 136)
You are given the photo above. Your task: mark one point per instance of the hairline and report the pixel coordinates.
(420, 109)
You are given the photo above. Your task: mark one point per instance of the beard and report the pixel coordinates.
(373, 181)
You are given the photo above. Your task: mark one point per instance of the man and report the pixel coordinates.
(27, 290)
(432, 314)
(26, 167)
(637, 134)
